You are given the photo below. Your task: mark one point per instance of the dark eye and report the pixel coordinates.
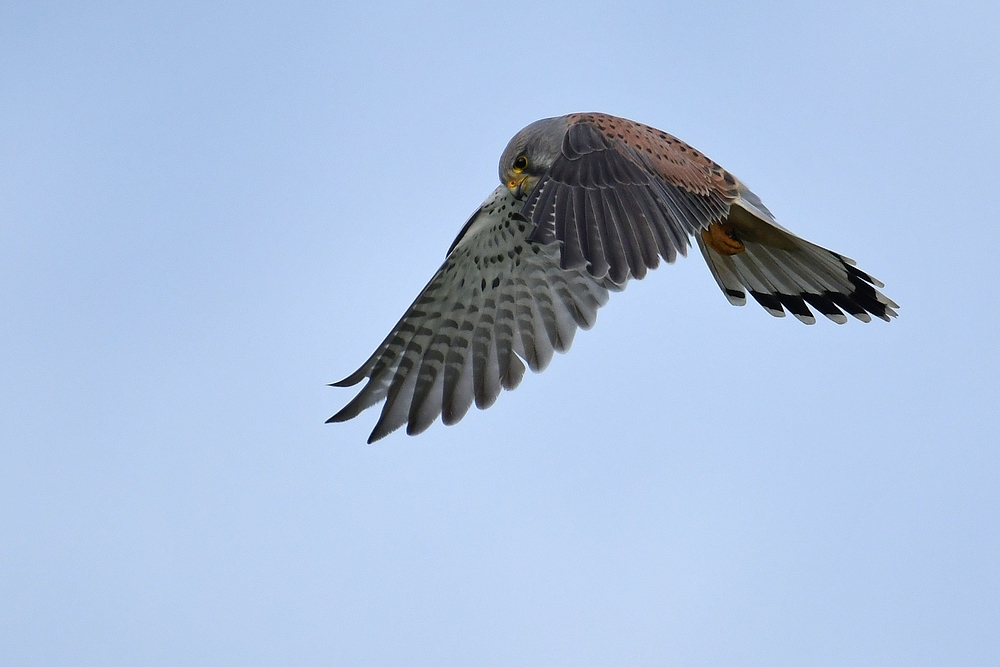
(521, 163)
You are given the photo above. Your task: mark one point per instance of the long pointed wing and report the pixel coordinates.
(498, 299)
(622, 194)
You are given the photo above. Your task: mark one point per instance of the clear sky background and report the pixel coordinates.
(210, 210)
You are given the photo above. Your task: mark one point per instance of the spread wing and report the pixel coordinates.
(498, 299)
(783, 271)
(621, 195)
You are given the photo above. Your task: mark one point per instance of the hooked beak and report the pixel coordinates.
(516, 185)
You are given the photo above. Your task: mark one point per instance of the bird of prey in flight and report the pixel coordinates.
(586, 202)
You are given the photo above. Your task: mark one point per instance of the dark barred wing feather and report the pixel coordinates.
(613, 208)
(497, 300)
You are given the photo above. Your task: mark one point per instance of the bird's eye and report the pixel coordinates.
(521, 163)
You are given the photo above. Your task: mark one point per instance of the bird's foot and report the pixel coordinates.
(719, 236)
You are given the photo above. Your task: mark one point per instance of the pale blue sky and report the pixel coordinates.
(209, 210)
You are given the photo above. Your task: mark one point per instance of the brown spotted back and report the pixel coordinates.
(619, 195)
(671, 159)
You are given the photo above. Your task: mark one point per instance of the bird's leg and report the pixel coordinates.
(719, 236)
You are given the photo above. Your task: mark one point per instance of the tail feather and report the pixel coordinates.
(785, 272)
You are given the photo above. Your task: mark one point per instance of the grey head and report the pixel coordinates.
(530, 154)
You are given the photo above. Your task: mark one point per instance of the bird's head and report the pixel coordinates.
(530, 154)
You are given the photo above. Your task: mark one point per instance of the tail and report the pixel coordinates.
(783, 271)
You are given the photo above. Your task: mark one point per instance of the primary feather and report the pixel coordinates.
(498, 299)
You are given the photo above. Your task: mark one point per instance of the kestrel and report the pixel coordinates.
(586, 202)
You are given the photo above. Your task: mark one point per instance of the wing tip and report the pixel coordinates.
(351, 380)
(381, 430)
(348, 412)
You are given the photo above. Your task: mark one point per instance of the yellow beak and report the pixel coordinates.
(516, 185)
